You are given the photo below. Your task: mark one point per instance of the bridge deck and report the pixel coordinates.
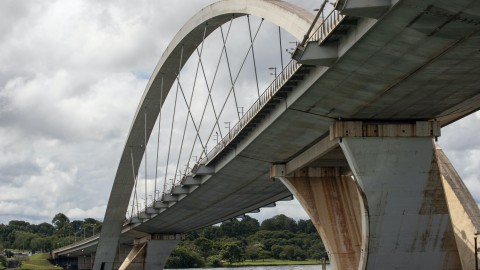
(419, 62)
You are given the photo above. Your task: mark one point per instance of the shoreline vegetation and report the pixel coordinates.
(40, 261)
(279, 240)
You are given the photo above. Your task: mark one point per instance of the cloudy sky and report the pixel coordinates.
(71, 76)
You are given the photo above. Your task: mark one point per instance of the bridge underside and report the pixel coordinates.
(398, 204)
(397, 201)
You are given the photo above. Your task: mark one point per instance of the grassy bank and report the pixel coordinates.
(37, 261)
(273, 262)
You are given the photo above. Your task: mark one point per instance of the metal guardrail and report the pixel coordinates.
(266, 96)
(329, 23)
(76, 244)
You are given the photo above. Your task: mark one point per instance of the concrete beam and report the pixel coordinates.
(178, 190)
(363, 8)
(191, 181)
(170, 198)
(311, 154)
(315, 54)
(341, 129)
(203, 170)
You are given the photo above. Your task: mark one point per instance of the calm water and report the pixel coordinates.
(285, 267)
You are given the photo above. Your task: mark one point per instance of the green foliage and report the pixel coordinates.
(204, 246)
(279, 223)
(60, 220)
(215, 261)
(44, 236)
(232, 253)
(184, 258)
(236, 240)
(3, 261)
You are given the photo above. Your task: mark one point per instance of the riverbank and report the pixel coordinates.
(274, 262)
(37, 261)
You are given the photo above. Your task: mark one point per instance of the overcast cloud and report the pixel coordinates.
(71, 76)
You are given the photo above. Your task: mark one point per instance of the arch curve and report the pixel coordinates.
(291, 18)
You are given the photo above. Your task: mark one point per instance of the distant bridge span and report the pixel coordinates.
(373, 85)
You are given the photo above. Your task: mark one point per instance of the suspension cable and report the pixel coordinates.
(238, 74)
(145, 161)
(281, 49)
(158, 140)
(230, 73)
(173, 121)
(191, 115)
(189, 104)
(210, 90)
(135, 195)
(253, 54)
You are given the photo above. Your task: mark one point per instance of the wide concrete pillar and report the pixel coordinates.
(409, 225)
(333, 203)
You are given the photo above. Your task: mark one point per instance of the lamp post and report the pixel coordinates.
(274, 71)
(476, 249)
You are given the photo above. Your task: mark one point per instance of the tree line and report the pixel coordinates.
(44, 237)
(237, 240)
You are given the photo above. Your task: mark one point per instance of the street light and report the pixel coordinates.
(274, 69)
(476, 249)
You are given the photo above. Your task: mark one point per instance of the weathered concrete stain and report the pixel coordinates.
(332, 202)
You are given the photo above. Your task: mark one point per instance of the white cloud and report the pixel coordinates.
(71, 77)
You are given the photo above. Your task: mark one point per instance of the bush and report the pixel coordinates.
(184, 258)
(3, 262)
(215, 261)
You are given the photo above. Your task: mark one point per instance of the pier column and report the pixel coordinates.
(409, 225)
(332, 201)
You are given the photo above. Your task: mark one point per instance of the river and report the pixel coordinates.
(282, 267)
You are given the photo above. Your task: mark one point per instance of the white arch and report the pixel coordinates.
(293, 19)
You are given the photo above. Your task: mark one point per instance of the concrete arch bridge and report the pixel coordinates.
(348, 127)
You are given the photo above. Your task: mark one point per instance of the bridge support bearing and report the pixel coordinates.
(408, 220)
(334, 206)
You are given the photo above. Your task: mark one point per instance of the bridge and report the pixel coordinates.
(348, 127)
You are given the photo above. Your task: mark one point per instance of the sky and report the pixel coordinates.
(71, 77)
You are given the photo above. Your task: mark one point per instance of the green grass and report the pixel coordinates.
(37, 262)
(273, 262)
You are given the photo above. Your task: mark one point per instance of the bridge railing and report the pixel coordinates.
(267, 95)
(76, 244)
(326, 27)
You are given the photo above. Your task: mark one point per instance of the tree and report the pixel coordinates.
(44, 229)
(232, 253)
(60, 220)
(306, 226)
(39, 243)
(184, 258)
(211, 232)
(253, 250)
(3, 262)
(279, 223)
(204, 246)
(22, 239)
